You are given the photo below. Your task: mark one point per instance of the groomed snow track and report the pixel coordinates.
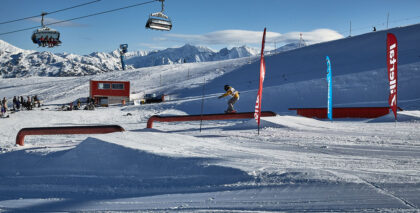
(224, 116)
(66, 130)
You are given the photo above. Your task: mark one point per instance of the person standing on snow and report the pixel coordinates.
(14, 103)
(79, 104)
(235, 97)
(17, 103)
(32, 102)
(37, 102)
(29, 103)
(22, 102)
(3, 107)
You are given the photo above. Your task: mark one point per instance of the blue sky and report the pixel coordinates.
(212, 23)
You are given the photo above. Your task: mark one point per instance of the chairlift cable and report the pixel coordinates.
(73, 7)
(80, 17)
(100, 13)
(30, 28)
(47, 13)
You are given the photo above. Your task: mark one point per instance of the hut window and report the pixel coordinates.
(104, 86)
(118, 86)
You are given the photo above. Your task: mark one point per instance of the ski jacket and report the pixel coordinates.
(231, 91)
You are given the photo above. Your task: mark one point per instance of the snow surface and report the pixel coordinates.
(295, 164)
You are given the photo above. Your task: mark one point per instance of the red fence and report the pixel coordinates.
(345, 112)
(68, 130)
(177, 118)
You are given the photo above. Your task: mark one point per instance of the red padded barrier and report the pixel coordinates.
(345, 112)
(66, 130)
(224, 116)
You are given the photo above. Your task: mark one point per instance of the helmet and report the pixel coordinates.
(226, 87)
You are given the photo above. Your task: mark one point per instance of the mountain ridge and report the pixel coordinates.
(16, 62)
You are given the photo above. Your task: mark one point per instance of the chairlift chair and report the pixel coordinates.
(45, 32)
(159, 21)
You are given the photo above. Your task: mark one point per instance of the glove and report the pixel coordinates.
(220, 97)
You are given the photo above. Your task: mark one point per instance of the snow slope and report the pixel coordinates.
(295, 164)
(297, 78)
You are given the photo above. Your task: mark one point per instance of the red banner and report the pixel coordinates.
(257, 113)
(391, 58)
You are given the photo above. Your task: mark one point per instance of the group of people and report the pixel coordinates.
(19, 102)
(29, 103)
(47, 41)
(90, 105)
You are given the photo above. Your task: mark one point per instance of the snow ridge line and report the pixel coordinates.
(386, 192)
(381, 190)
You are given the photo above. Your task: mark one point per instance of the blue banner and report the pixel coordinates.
(329, 79)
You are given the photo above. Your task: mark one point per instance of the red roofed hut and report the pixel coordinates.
(110, 92)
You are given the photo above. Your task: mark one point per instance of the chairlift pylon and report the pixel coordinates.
(159, 21)
(45, 36)
(123, 50)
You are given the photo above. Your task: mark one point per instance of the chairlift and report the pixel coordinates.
(123, 48)
(159, 21)
(45, 36)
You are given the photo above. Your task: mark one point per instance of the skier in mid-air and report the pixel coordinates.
(235, 97)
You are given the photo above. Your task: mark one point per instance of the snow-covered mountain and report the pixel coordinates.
(6, 47)
(15, 62)
(236, 52)
(187, 54)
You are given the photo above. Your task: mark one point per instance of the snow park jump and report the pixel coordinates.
(224, 116)
(68, 130)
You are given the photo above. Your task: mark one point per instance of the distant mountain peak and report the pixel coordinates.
(188, 53)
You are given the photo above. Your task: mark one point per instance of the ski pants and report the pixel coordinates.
(231, 102)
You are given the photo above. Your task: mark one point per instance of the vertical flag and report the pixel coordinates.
(329, 79)
(391, 58)
(257, 113)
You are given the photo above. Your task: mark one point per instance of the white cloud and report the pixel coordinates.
(229, 37)
(312, 37)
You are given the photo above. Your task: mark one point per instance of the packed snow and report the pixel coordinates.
(294, 164)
